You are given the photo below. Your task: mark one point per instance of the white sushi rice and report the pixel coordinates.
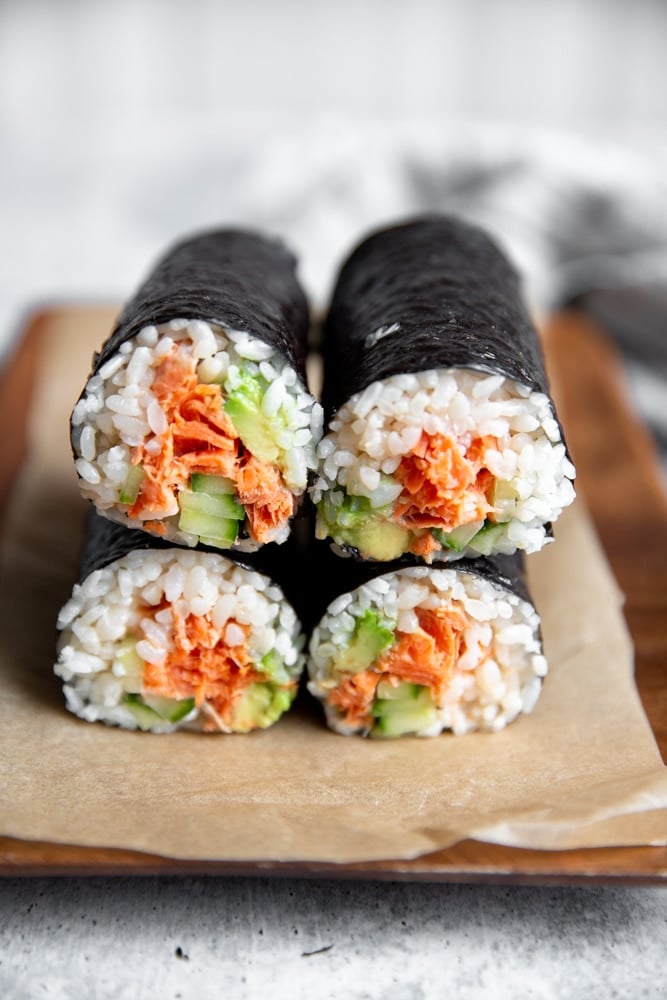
(115, 602)
(498, 676)
(376, 428)
(119, 411)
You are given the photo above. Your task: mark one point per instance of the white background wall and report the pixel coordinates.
(566, 63)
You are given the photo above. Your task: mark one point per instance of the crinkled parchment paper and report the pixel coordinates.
(582, 770)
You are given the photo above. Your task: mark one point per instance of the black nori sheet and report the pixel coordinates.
(454, 295)
(105, 541)
(243, 280)
(330, 576)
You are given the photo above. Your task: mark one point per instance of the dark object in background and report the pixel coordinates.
(636, 317)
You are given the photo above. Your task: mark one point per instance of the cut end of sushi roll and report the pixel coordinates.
(442, 464)
(167, 639)
(419, 651)
(197, 433)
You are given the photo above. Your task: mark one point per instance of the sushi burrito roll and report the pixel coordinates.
(441, 439)
(196, 423)
(408, 648)
(160, 637)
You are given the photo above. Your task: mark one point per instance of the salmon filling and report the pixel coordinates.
(421, 650)
(201, 665)
(444, 485)
(197, 433)
(426, 657)
(443, 463)
(173, 638)
(200, 438)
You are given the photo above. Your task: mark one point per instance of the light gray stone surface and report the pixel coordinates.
(216, 938)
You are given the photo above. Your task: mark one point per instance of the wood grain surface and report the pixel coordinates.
(620, 479)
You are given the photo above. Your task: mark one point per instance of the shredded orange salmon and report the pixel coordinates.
(202, 666)
(354, 697)
(424, 545)
(157, 527)
(268, 504)
(444, 484)
(200, 437)
(426, 657)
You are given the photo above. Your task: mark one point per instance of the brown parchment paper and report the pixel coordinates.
(583, 770)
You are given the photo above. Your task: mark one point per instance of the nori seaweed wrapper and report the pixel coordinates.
(331, 575)
(450, 299)
(242, 280)
(105, 541)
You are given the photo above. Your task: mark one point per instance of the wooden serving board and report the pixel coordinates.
(619, 477)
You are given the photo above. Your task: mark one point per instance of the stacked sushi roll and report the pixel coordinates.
(196, 423)
(160, 637)
(195, 433)
(441, 439)
(442, 462)
(419, 649)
